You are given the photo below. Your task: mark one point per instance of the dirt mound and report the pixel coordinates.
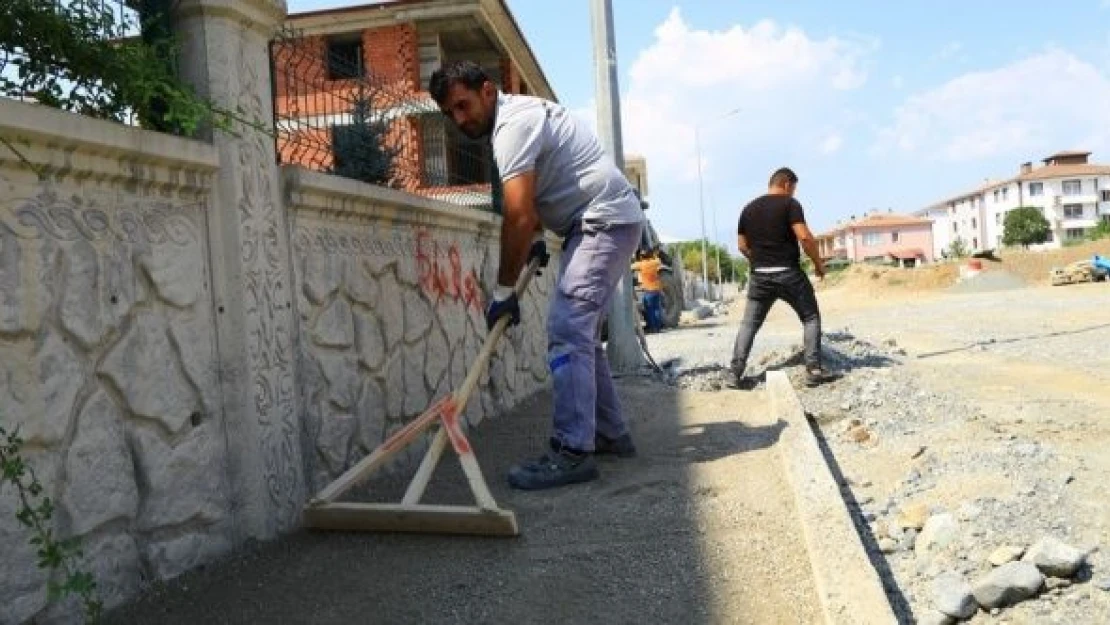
(1033, 267)
(878, 278)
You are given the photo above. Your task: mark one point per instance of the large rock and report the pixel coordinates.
(38, 388)
(1054, 558)
(145, 367)
(181, 483)
(101, 481)
(334, 327)
(1008, 584)
(1005, 554)
(912, 516)
(939, 532)
(952, 595)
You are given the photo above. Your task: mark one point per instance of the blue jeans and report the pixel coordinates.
(653, 310)
(593, 262)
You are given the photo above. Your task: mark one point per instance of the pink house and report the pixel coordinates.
(880, 237)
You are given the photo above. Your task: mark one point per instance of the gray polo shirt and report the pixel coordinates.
(575, 180)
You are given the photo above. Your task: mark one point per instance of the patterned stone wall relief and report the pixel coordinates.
(107, 366)
(267, 292)
(391, 318)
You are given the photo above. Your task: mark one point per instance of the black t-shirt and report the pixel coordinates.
(766, 222)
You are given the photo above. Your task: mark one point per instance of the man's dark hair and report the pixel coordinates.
(783, 176)
(467, 73)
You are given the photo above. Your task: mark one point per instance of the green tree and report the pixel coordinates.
(1025, 226)
(1099, 232)
(958, 248)
(361, 152)
(691, 252)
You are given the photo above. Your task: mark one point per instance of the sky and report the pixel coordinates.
(875, 104)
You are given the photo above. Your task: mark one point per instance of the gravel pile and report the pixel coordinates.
(1018, 555)
(988, 281)
(842, 353)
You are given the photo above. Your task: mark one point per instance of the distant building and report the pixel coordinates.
(392, 48)
(880, 237)
(1071, 193)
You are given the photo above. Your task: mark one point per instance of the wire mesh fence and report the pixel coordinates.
(332, 114)
(42, 52)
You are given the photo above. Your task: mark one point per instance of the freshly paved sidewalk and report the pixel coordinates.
(699, 529)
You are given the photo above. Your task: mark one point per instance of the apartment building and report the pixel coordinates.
(880, 237)
(1073, 194)
(384, 53)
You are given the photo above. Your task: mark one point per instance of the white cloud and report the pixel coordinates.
(1042, 103)
(950, 50)
(786, 83)
(831, 143)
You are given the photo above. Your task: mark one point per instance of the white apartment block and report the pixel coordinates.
(1073, 195)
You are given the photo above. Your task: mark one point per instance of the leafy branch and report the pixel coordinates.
(80, 56)
(36, 513)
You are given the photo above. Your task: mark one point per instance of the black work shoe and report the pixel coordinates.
(819, 375)
(736, 383)
(621, 446)
(558, 467)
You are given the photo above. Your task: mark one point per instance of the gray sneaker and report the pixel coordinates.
(621, 446)
(558, 467)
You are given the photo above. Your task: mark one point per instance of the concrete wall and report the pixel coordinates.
(107, 350)
(192, 340)
(390, 291)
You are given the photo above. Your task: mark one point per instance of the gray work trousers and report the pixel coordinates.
(594, 260)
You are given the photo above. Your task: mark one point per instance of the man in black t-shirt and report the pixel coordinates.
(768, 234)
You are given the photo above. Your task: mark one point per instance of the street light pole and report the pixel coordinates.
(701, 205)
(717, 244)
(623, 349)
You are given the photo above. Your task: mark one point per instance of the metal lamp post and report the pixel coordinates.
(701, 203)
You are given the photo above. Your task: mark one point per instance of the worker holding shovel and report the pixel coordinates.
(553, 172)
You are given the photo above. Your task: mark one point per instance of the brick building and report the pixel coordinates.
(383, 54)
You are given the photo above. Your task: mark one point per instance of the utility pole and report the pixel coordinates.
(701, 205)
(624, 347)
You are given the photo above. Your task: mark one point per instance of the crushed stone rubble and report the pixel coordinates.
(1003, 556)
(987, 558)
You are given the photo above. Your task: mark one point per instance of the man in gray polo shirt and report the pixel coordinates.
(554, 174)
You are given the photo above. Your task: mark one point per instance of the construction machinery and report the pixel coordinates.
(1100, 268)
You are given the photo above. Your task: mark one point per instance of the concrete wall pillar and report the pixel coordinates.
(226, 57)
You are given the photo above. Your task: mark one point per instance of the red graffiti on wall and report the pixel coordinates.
(446, 280)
